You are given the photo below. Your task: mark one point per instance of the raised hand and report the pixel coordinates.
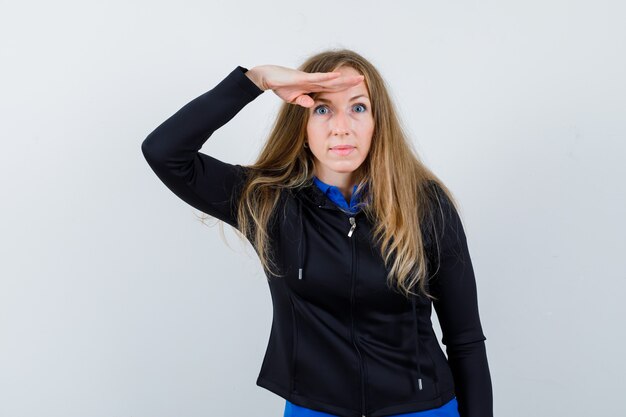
(292, 85)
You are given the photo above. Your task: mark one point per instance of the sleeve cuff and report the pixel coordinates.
(246, 83)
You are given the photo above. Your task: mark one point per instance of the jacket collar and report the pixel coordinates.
(312, 194)
(315, 194)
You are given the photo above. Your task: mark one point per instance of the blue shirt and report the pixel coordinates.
(449, 409)
(334, 194)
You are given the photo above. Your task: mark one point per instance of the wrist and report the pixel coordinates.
(256, 77)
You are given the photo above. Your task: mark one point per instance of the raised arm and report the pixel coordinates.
(206, 183)
(172, 149)
(457, 310)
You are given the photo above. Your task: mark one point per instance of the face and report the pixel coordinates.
(339, 131)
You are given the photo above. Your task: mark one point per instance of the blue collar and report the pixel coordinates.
(335, 195)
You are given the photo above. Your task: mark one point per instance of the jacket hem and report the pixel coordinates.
(414, 406)
(305, 401)
(409, 407)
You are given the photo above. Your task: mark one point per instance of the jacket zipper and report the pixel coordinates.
(353, 226)
(352, 220)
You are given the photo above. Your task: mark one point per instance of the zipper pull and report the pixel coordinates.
(353, 223)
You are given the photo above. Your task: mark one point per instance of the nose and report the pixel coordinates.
(340, 124)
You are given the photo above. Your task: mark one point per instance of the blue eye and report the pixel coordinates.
(322, 106)
(318, 107)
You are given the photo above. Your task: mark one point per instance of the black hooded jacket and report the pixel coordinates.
(342, 341)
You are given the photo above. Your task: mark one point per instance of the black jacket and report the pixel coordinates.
(341, 340)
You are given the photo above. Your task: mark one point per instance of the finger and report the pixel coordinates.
(315, 77)
(346, 80)
(320, 78)
(352, 79)
(339, 83)
(304, 100)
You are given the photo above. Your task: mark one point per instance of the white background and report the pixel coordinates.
(116, 301)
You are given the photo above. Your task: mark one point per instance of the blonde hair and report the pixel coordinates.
(399, 184)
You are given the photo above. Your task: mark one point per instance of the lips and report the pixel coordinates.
(342, 149)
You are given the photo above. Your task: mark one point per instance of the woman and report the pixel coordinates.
(357, 237)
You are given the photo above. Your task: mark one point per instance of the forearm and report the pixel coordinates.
(472, 379)
(178, 138)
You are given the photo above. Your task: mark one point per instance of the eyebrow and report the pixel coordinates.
(328, 101)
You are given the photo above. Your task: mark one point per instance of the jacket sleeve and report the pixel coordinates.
(454, 285)
(172, 149)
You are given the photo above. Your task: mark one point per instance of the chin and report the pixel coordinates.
(345, 170)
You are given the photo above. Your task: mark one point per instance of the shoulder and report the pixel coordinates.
(440, 200)
(443, 226)
(437, 204)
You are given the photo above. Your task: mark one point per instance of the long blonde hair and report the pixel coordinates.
(398, 182)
